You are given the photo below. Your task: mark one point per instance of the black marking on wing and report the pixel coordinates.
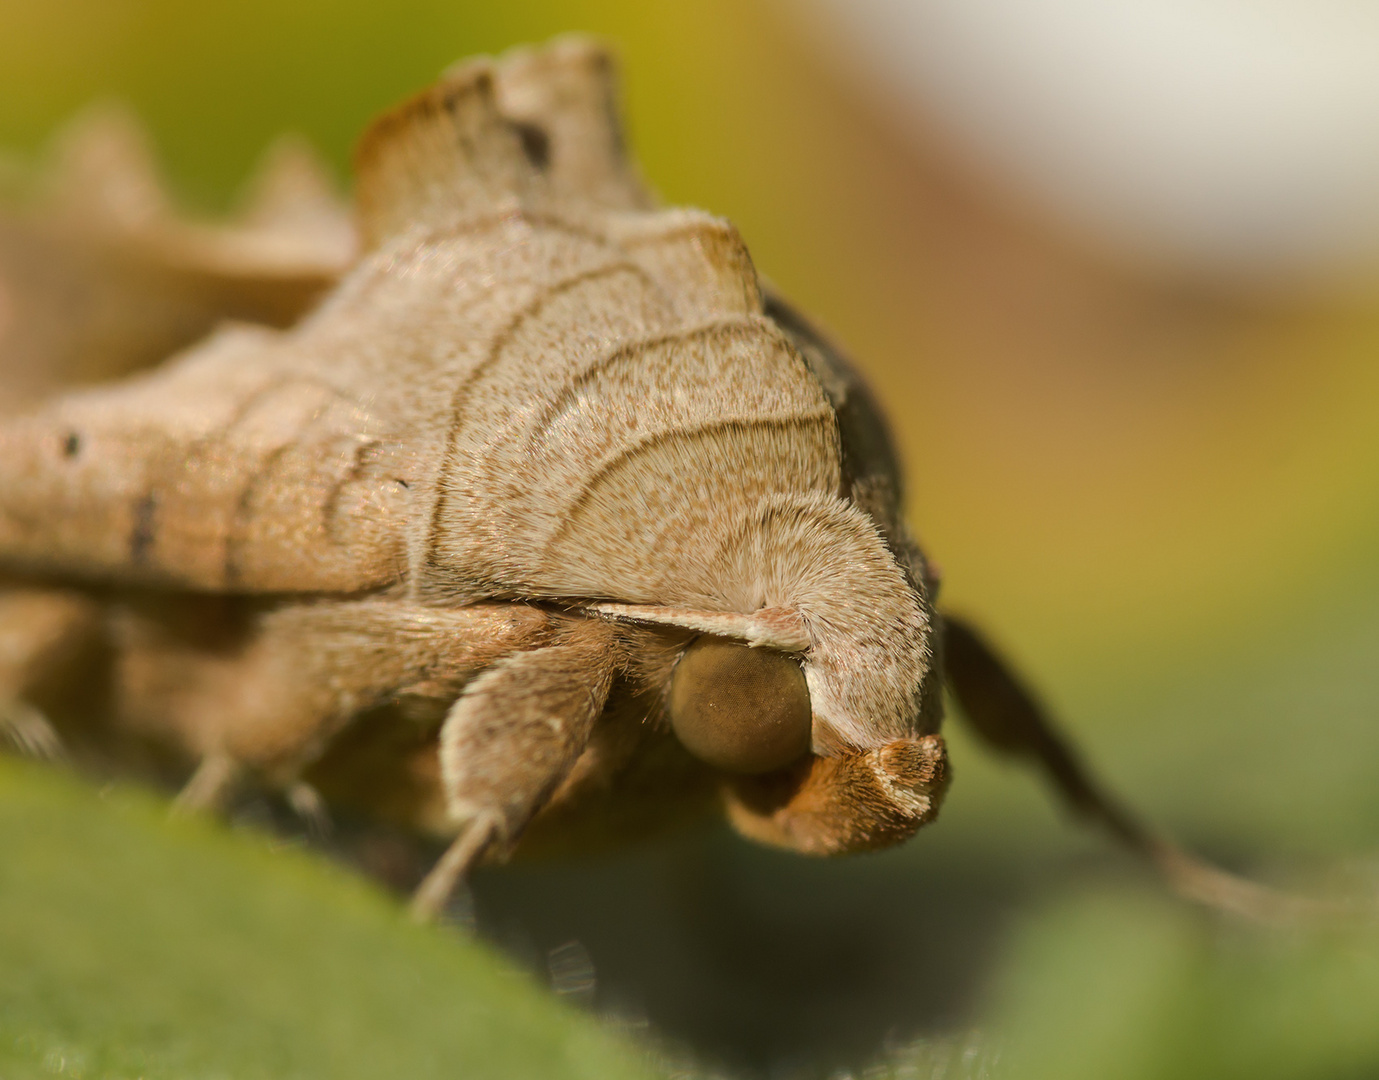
(536, 144)
(141, 536)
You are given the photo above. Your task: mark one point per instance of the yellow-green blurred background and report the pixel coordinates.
(1159, 490)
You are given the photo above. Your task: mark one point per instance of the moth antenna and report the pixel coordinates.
(1006, 716)
(102, 169)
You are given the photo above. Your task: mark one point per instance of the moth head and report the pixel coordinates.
(746, 710)
(812, 578)
(812, 680)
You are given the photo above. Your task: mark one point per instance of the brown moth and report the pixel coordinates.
(547, 521)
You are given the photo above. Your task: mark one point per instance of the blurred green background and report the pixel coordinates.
(1160, 493)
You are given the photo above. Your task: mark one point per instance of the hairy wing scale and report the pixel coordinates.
(558, 375)
(649, 525)
(562, 320)
(590, 386)
(151, 480)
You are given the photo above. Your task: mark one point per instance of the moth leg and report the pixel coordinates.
(271, 708)
(28, 731)
(310, 807)
(1007, 716)
(42, 632)
(463, 854)
(509, 740)
(218, 776)
(210, 786)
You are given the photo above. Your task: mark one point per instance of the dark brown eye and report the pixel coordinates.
(742, 709)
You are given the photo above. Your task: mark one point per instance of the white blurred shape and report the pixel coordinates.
(1235, 137)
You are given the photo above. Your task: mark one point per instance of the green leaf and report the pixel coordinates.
(132, 945)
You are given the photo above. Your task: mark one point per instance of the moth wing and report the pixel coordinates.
(565, 96)
(872, 473)
(100, 275)
(226, 470)
(536, 129)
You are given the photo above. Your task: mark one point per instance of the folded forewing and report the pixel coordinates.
(226, 470)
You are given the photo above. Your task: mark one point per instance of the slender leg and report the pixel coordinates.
(509, 740)
(213, 784)
(272, 706)
(1007, 716)
(42, 632)
(28, 731)
(460, 857)
(210, 787)
(307, 804)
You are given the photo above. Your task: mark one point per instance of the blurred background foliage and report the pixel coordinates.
(1156, 483)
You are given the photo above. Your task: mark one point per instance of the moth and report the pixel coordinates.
(518, 510)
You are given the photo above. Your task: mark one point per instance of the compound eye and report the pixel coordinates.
(738, 708)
